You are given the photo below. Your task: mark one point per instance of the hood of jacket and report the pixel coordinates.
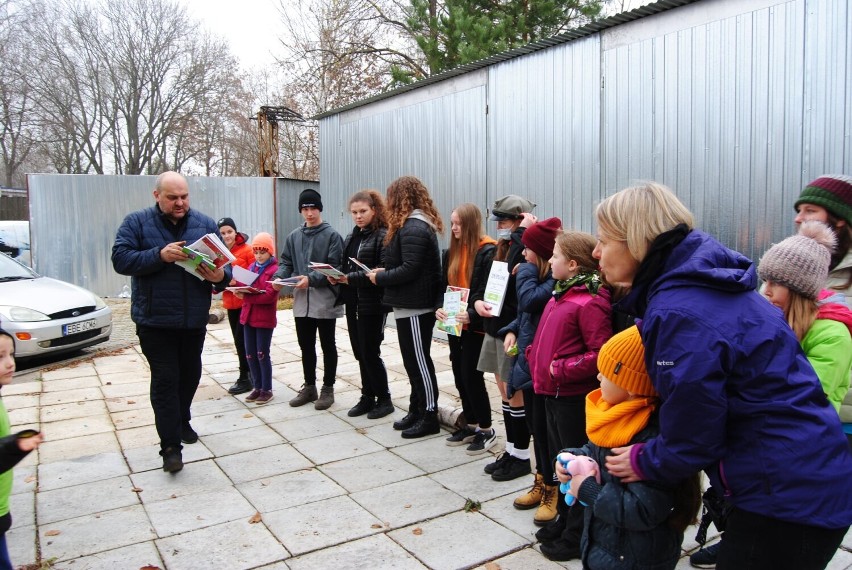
(696, 260)
(419, 215)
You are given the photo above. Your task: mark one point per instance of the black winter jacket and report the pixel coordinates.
(626, 524)
(163, 295)
(509, 311)
(481, 266)
(371, 252)
(412, 275)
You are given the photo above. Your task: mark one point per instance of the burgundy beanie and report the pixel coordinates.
(800, 262)
(831, 191)
(541, 236)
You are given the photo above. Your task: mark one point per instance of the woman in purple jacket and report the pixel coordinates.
(739, 398)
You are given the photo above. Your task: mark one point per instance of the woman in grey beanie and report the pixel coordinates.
(795, 271)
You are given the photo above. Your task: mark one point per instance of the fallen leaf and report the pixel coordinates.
(109, 383)
(30, 479)
(136, 489)
(362, 431)
(256, 518)
(375, 525)
(52, 533)
(149, 567)
(471, 506)
(264, 482)
(418, 531)
(173, 497)
(248, 415)
(407, 506)
(492, 566)
(131, 401)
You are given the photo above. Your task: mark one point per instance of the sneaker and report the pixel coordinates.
(482, 442)
(495, 465)
(307, 394)
(265, 396)
(255, 394)
(384, 407)
(560, 550)
(172, 460)
(706, 557)
(461, 436)
(364, 405)
(187, 434)
(512, 469)
(326, 398)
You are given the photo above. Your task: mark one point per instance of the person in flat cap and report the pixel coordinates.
(513, 216)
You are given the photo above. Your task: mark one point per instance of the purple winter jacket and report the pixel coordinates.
(260, 311)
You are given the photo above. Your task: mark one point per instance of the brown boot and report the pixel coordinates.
(326, 398)
(547, 509)
(308, 393)
(532, 498)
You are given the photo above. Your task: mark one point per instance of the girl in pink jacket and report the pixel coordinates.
(259, 318)
(562, 358)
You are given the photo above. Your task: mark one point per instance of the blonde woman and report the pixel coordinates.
(738, 397)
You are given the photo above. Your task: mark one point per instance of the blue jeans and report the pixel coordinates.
(258, 342)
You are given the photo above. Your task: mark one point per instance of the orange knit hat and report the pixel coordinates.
(265, 241)
(622, 361)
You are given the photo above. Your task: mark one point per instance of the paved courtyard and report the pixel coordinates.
(268, 486)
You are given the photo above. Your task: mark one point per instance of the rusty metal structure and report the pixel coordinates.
(268, 119)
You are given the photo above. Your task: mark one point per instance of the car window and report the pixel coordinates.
(11, 270)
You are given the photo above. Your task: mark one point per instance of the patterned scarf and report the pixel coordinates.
(613, 426)
(591, 279)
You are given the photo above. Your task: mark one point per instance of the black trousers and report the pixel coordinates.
(415, 345)
(306, 333)
(366, 334)
(756, 542)
(174, 356)
(537, 424)
(566, 427)
(470, 382)
(239, 340)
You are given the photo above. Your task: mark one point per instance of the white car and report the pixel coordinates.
(48, 316)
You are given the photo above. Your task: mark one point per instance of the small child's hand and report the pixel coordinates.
(561, 472)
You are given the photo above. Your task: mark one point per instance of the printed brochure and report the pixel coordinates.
(455, 302)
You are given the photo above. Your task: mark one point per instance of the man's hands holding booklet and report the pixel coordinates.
(173, 252)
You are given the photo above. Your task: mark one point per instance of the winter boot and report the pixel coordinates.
(326, 398)
(364, 405)
(532, 498)
(407, 421)
(426, 425)
(307, 394)
(547, 509)
(241, 386)
(384, 407)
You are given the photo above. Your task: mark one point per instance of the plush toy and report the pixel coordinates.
(577, 465)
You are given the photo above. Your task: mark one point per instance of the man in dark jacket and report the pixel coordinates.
(168, 305)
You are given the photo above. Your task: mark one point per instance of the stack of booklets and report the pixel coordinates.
(455, 302)
(209, 251)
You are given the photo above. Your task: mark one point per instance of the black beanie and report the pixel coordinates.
(226, 222)
(310, 198)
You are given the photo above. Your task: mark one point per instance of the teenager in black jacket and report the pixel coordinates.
(365, 313)
(412, 279)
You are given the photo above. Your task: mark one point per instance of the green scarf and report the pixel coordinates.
(591, 279)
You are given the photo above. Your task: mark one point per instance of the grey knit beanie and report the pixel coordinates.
(800, 262)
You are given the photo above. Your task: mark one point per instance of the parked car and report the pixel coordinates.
(48, 316)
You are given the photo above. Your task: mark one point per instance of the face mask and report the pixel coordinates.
(504, 234)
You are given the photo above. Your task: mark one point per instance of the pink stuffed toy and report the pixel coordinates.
(577, 465)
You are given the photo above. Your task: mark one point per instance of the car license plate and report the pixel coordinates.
(82, 326)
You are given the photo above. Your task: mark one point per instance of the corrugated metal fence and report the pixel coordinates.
(735, 105)
(74, 218)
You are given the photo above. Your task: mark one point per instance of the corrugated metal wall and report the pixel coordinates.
(74, 218)
(735, 105)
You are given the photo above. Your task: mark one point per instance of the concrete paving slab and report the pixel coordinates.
(19, 387)
(77, 471)
(22, 507)
(24, 478)
(363, 421)
(290, 490)
(192, 512)
(24, 417)
(142, 387)
(132, 418)
(370, 471)
(137, 437)
(501, 511)
(334, 447)
(469, 480)
(372, 552)
(385, 435)
(21, 401)
(232, 545)
(85, 499)
(525, 559)
(81, 536)
(445, 542)
(73, 371)
(310, 426)
(70, 396)
(841, 561)
(322, 524)
(72, 384)
(238, 441)
(147, 458)
(225, 421)
(21, 542)
(409, 501)
(140, 402)
(72, 410)
(224, 403)
(126, 376)
(77, 427)
(157, 485)
(134, 556)
(433, 454)
(260, 464)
